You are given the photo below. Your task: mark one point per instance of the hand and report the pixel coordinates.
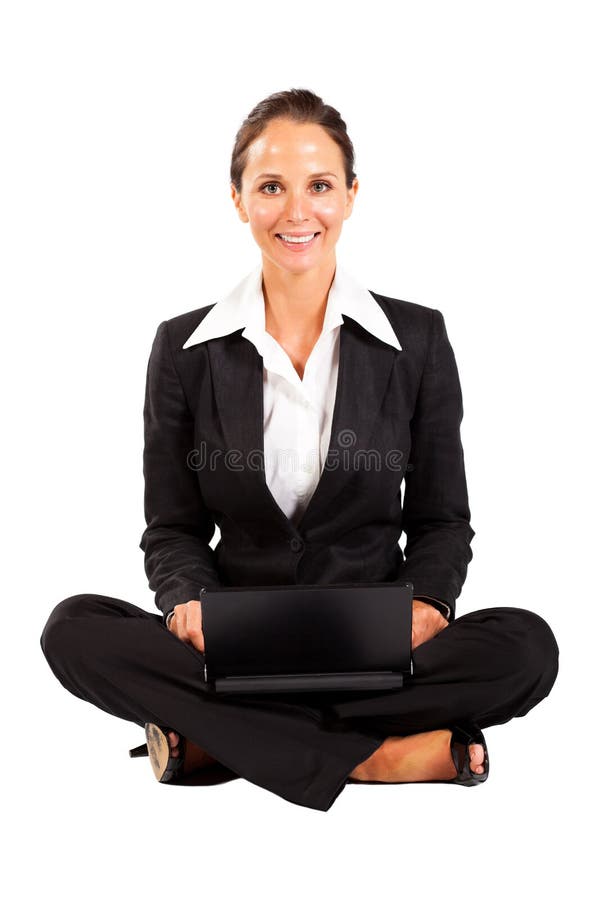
(426, 623)
(186, 624)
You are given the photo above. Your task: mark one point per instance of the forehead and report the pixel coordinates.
(285, 141)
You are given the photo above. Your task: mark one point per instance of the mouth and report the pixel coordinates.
(298, 242)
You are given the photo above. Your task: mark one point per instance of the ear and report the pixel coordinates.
(237, 200)
(350, 199)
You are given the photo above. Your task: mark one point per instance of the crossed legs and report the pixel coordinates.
(488, 666)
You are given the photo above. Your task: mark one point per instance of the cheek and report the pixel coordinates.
(330, 214)
(263, 216)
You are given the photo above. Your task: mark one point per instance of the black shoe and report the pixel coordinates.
(157, 747)
(459, 747)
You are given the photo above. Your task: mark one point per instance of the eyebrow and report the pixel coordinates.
(276, 175)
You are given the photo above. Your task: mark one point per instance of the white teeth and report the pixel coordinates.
(297, 240)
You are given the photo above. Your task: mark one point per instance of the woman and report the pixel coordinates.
(300, 358)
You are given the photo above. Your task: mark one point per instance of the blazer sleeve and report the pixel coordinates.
(177, 557)
(436, 515)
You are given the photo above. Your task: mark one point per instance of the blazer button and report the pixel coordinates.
(296, 545)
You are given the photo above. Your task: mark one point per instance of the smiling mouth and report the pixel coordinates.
(298, 240)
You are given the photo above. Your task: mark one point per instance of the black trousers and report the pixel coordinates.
(486, 667)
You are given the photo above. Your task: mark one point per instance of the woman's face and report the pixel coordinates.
(294, 184)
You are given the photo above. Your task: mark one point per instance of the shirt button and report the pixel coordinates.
(296, 545)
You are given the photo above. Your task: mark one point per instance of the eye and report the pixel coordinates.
(276, 184)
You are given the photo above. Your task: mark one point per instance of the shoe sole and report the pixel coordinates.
(158, 749)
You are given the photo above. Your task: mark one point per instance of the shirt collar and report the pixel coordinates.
(244, 308)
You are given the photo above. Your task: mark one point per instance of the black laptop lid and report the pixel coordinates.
(278, 631)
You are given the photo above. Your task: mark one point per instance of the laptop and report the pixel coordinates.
(307, 637)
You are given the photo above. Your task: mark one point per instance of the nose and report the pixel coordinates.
(298, 206)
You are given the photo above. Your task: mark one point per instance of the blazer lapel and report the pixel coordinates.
(238, 389)
(364, 370)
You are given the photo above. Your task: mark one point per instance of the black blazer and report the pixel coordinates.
(396, 417)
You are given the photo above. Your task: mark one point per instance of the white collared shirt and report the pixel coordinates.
(297, 411)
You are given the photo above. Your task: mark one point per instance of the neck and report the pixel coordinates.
(295, 303)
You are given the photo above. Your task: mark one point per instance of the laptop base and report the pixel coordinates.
(337, 681)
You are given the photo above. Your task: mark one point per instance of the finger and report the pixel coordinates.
(180, 626)
(193, 631)
(198, 643)
(194, 615)
(183, 626)
(175, 622)
(193, 625)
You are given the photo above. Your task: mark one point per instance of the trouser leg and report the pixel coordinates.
(487, 666)
(123, 660)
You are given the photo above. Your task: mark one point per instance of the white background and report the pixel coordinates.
(475, 130)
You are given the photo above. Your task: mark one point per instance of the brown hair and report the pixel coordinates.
(299, 105)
